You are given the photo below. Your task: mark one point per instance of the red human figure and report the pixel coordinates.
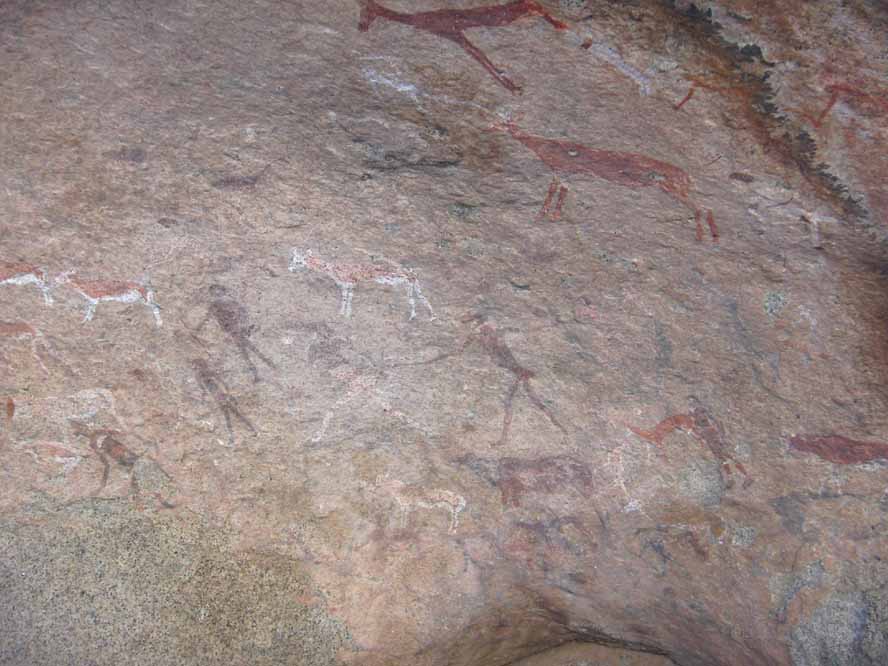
(213, 386)
(628, 169)
(700, 424)
(490, 339)
(452, 23)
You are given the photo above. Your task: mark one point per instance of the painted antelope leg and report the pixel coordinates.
(347, 277)
(108, 291)
(633, 170)
(22, 274)
(451, 24)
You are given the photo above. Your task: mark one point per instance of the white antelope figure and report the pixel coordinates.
(99, 291)
(347, 276)
(21, 274)
(410, 497)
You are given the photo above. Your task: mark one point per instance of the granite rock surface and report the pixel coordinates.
(443, 333)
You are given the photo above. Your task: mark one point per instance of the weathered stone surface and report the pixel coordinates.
(332, 335)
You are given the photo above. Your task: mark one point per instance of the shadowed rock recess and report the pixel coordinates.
(443, 333)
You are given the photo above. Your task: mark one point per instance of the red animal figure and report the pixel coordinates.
(452, 23)
(517, 477)
(107, 291)
(628, 169)
(840, 450)
(705, 429)
(21, 274)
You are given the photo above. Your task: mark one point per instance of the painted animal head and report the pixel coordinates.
(299, 259)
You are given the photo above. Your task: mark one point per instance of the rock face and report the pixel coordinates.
(443, 333)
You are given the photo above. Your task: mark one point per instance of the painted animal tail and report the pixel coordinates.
(369, 13)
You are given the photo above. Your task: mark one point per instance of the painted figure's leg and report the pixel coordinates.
(155, 308)
(243, 351)
(47, 292)
(106, 472)
(322, 431)
(262, 357)
(713, 230)
(423, 299)
(544, 211)
(539, 404)
(508, 410)
(411, 300)
(348, 300)
(728, 476)
(747, 480)
(35, 351)
(243, 419)
(687, 97)
(562, 194)
(478, 55)
(90, 310)
(224, 409)
(343, 298)
(539, 10)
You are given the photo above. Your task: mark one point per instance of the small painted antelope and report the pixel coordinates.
(347, 276)
(108, 291)
(22, 274)
(413, 496)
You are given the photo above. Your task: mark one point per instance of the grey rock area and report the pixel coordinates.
(443, 333)
(100, 584)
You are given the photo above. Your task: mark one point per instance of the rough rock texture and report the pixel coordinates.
(343, 333)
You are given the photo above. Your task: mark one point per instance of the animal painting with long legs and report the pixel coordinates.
(451, 24)
(565, 158)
